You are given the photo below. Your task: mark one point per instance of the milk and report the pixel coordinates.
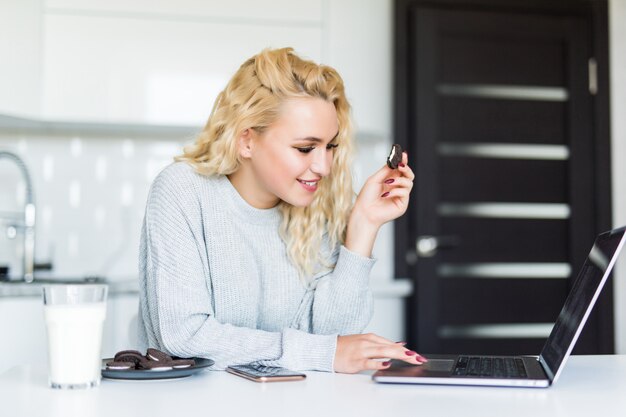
(74, 343)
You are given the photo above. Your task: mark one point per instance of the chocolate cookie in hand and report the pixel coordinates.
(395, 156)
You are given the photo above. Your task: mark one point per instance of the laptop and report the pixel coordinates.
(523, 371)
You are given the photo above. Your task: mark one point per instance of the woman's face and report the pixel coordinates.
(287, 160)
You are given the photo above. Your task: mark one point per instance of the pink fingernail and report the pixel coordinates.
(389, 181)
(421, 358)
(385, 194)
(410, 353)
(401, 165)
(386, 363)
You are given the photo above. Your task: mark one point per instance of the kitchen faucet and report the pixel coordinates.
(28, 223)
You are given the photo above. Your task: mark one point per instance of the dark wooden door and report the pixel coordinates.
(499, 128)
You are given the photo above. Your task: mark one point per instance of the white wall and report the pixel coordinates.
(617, 34)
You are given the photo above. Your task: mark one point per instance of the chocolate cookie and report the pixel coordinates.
(120, 366)
(157, 355)
(129, 356)
(154, 366)
(395, 156)
(154, 360)
(182, 363)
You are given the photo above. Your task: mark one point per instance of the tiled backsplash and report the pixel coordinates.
(90, 194)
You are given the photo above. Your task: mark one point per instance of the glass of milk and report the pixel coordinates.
(74, 316)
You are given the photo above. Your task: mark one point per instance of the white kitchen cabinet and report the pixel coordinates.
(163, 63)
(388, 320)
(23, 332)
(20, 49)
(120, 330)
(285, 11)
(360, 47)
(142, 67)
(23, 329)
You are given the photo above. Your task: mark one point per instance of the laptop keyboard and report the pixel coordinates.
(490, 367)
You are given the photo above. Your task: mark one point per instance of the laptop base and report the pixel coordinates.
(439, 371)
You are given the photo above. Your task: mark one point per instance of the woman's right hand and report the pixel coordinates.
(360, 352)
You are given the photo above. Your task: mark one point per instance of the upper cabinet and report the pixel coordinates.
(164, 62)
(160, 63)
(20, 52)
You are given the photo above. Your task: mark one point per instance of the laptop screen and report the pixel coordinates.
(581, 298)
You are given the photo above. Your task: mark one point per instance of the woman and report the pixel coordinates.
(252, 250)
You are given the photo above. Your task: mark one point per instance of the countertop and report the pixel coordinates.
(589, 386)
(34, 289)
(380, 288)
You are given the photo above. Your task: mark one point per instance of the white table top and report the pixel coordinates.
(589, 386)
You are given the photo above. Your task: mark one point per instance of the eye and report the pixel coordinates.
(306, 150)
(331, 146)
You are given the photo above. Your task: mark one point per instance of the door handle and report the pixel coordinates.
(426, 246)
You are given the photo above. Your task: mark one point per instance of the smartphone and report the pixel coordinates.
(259, 373)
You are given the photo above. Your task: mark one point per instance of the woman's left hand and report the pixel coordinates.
(385, 195)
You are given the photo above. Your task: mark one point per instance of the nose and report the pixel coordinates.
(322, 160)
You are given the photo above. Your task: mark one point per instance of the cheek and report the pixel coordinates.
(281, 167)
(287, 164)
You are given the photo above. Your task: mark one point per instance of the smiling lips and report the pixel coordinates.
(310, 185)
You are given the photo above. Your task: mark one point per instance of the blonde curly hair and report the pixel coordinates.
(252, 100)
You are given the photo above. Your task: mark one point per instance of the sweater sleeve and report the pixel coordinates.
(176, 292)
(340, 301)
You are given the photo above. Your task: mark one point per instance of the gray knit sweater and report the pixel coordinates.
(216, 282)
